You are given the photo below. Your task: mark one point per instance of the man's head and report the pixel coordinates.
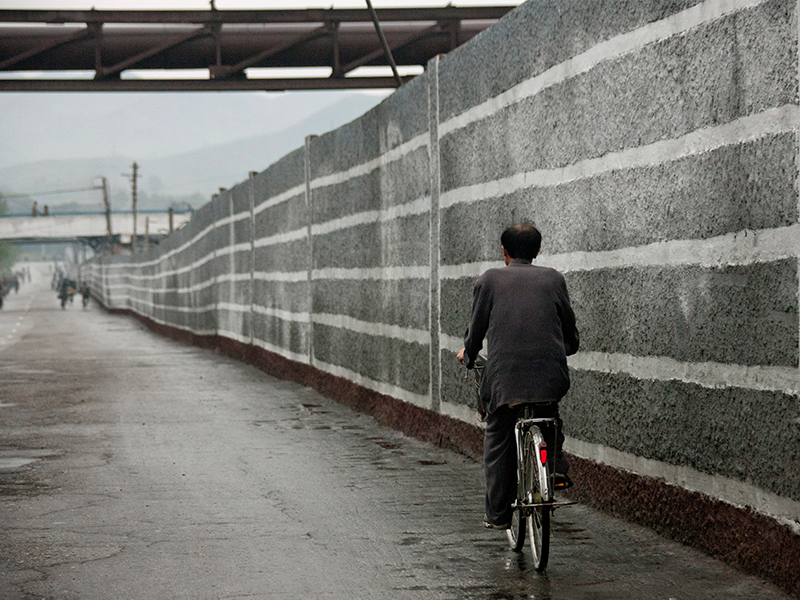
(522, 241)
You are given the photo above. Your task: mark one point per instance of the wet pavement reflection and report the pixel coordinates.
(164, 471)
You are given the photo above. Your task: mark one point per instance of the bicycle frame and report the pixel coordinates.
(536, 441)
(545, 467)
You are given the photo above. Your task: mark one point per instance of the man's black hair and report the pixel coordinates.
(522, 241)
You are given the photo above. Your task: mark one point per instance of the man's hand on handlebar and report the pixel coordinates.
(461, 356)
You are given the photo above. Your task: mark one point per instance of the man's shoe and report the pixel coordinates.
(488, 525)
(562, 481)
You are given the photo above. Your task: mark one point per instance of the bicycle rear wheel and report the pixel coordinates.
(516, 534)
(537, 491)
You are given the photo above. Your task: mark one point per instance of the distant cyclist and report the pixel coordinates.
(85, 294)
(525, 314)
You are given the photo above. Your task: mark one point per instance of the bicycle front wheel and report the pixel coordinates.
(537, 491)
(516, 534)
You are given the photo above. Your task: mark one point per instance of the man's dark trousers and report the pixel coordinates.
(500, 457)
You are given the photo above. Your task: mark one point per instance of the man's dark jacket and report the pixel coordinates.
(524, 312)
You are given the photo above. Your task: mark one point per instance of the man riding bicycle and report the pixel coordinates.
(525, 314)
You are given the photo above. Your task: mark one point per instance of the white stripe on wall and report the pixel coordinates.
(462, 413)
(416, 207)
(419, 206)
(784, 119)
(454, 344)
(279, 199)
(467, 270)
(178, 271)
(451, 342)
(732, 249)
(728, 490)
(286, 276)
(376, 273)
(283, 315)
(282, 238)
(224, 221)
(406, 334)
(227, 278)
(384, 159)
(233, 307)
(705, 374)
(608, 50)
(376, 386)
(662, 368)
(301, 358)
(180, 309)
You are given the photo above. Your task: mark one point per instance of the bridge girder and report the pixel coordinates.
(226, 43)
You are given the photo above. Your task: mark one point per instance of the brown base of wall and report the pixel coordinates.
(743, 538)
(749, 541)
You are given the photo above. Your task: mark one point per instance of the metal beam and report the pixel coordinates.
(132, 61)
(310, 15)
(367, 58)
(197, 85)
(225, 44)
(31, 53)
(221, 72)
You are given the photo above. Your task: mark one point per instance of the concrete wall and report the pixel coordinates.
(654, 143)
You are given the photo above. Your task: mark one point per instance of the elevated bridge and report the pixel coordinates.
(228, 44)
(89, 228)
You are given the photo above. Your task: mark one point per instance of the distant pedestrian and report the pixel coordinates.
(85, 293)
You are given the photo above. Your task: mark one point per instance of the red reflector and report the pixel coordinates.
(543, 455)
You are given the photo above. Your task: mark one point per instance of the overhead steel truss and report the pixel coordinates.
(226, 43)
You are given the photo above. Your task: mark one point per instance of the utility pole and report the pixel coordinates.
(108, 215)
(133, 177)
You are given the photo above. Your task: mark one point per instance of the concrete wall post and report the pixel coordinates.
(307, 171)
(435, 186)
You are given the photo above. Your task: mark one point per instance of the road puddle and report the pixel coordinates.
(14, 459)
(15, 463)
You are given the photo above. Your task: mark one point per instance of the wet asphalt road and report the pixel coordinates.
(132, 466)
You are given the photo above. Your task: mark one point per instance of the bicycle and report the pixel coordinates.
(535, 479)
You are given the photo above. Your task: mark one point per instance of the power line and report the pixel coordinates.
(4, 196)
